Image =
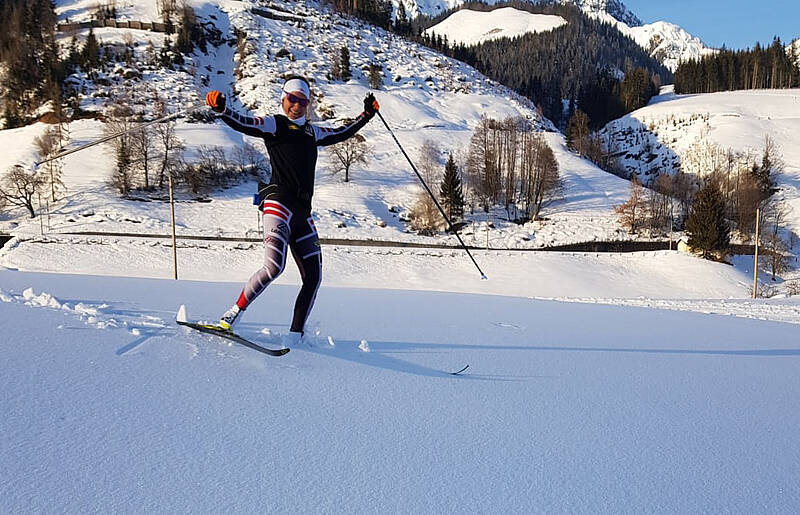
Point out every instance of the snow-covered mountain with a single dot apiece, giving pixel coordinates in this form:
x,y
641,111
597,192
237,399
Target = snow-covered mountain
x,y
666,42
613,8
473,27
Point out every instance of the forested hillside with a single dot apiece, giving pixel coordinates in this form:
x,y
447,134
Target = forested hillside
x,y
770,67
582,61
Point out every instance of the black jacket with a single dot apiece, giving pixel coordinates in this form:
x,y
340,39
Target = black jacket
x,y
292,149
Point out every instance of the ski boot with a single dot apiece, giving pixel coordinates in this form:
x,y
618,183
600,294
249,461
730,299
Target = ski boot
x,y
230,317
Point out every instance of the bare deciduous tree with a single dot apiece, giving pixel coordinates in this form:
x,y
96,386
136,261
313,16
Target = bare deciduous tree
x,y
661,203
632,213
578,132
481,163
509,161
428,161
18,187
49,144
171,147
425,216
347,153
775,217
250,161
143,146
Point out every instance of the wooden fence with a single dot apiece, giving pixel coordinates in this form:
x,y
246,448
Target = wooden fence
x,y
152,26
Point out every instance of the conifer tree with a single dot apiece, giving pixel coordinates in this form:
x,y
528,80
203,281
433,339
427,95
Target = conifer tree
x,y
29,57
121,178
707,228
91,51
401,24
344,64
771,164
451,192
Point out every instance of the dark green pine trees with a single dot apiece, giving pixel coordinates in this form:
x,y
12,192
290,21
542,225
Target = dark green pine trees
x,y
450,192
762,67
706,226
30,59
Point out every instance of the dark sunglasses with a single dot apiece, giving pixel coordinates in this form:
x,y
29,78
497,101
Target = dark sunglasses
x,y
297,100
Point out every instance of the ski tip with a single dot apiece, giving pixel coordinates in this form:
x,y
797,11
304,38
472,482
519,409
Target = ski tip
x,y
181,316
456,373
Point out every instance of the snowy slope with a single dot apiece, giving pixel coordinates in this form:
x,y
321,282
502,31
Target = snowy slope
x,y
697,130
473,27
109,407
424,97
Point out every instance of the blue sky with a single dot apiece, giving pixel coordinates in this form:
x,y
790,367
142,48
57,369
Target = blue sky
x,y
736,23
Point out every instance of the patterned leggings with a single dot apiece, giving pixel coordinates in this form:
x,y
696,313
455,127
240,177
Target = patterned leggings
x,y
296,231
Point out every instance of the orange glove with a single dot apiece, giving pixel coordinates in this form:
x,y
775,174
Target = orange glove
x,y
371,105
216,101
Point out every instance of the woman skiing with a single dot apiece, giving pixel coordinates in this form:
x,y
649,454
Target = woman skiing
x,y
285,202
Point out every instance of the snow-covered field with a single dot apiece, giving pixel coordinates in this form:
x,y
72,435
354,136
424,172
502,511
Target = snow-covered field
x,y
110,407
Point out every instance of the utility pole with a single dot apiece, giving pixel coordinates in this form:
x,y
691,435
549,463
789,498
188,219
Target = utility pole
x,y
755,264
172,215
41,214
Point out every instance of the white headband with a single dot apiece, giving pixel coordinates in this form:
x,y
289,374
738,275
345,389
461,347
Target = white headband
x,y
298,85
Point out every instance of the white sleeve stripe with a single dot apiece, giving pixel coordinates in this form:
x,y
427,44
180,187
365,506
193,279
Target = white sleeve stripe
x,y
263,124
324,132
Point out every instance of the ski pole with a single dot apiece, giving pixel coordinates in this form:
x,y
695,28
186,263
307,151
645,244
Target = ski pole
x,y
433,197
117,135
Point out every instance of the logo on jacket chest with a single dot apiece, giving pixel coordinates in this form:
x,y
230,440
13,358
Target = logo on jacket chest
x,y
307,128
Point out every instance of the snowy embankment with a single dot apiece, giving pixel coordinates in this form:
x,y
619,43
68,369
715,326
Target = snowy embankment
x,y
108,406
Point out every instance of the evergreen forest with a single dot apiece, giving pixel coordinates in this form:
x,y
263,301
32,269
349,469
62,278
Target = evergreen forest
x,y
770,67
